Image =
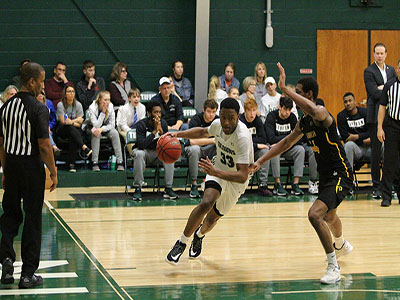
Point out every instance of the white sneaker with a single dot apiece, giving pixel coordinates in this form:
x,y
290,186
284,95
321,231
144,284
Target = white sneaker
x,y
346,249
332,275
313,187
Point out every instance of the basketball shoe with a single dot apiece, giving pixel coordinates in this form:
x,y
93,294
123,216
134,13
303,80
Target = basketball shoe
x,y
175,253
344,250
7,271
195,247
332,275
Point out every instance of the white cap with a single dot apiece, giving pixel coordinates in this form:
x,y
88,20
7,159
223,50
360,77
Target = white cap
x,y
163,80
269,80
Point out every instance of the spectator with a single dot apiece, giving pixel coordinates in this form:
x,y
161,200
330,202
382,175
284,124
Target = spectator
x,y
352,125
234,93
375,76
171,108
256,128
279,124
52,121
173,90
148,131
249,87
130,114
9,92
119,85
308,88
70,118
227,80
294,109
182,84
102,123
215,92
90,85
200,148
260,74
54,86
17,79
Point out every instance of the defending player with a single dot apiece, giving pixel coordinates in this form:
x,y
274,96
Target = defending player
x,y
336,178
226,179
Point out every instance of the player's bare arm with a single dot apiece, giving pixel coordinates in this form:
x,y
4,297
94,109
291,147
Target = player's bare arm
x,y
278,148
193,133
239,176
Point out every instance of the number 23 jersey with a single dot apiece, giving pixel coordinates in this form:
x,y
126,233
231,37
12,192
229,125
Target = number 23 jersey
x,y
232,149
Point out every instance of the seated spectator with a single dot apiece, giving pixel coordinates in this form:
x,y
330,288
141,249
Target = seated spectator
x,y
256,128
227,80
130,114
171,107
234,93
54,86
279,124
102,123
200,148
173,90
70,119
52,120
215,92
148,131
249,87
353,130
183,86
90,85
294,109
9,92
260,74
16,80
119,85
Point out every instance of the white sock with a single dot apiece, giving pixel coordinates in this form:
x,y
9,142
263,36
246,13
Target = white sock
x,y
199,234
339,242
184,239
332,258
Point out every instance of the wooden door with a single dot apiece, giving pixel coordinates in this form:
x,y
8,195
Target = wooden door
x,y
391,38
342,56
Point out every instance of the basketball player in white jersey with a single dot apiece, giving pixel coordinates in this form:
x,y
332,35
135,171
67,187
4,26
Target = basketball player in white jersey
x,y
227,177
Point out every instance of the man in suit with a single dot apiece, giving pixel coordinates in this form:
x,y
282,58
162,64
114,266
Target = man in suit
x,y
375,76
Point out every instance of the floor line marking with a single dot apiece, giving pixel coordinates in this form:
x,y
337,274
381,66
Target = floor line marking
x,y
58,275
16,292
48,204
86,254
334,291
129,296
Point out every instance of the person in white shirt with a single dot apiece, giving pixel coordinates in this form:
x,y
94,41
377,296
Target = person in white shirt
x,y
126,118
102,122
226,179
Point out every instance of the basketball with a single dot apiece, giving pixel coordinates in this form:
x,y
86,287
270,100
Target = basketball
x,y
168,149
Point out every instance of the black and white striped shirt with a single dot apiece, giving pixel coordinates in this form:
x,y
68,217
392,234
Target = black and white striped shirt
x,y
23,120
391,98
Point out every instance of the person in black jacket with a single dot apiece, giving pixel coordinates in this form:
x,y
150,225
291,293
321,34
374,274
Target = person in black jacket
x,y
148,131
256,128
279,124
353,129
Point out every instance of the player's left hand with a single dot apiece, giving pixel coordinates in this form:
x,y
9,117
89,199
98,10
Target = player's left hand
x,y
254,168
206,166
282,77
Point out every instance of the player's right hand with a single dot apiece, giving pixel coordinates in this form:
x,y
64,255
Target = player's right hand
x,y
171,134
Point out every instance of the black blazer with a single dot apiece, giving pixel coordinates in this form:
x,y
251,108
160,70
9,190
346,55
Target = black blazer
x,y
372,79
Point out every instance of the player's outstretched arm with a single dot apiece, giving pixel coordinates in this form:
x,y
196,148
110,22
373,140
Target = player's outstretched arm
x,y
284,145
317,112
193,133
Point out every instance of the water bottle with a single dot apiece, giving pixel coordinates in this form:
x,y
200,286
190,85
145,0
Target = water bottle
x,y
113,163
109,163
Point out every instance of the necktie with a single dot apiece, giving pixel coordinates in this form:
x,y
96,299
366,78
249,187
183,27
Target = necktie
x,y
134,118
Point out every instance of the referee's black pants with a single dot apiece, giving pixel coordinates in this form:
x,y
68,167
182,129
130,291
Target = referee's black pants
x,y
376,156
24,178
391,156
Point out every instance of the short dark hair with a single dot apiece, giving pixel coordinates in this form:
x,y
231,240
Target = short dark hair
x,y
26,60
59,63
380,45
30,70
349,94
151,104
210,103
286,102
309,84
88,64
230,103
320,102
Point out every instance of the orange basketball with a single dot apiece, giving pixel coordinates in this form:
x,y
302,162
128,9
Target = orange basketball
x,y
168,149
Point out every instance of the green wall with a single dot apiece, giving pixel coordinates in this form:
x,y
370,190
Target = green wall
x,y
148,35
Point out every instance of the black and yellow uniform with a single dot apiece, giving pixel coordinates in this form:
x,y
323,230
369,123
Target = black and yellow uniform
x,y
336,175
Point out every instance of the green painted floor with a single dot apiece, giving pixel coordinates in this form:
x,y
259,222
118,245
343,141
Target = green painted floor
x,y
78,275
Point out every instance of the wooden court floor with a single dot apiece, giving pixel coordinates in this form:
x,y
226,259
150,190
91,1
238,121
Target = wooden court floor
x,y
264,248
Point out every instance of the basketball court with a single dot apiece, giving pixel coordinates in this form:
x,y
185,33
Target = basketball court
x,y
264,249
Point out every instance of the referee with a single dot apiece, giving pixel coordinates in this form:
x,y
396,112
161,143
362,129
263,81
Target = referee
x,y
389,132
24,146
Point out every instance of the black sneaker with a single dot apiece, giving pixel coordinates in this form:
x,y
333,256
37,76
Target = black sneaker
x,y
264,191
279,190
377,194
28,282
296,190
87,152
175,253
194,192
137,195
195,247
170,194
7,271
